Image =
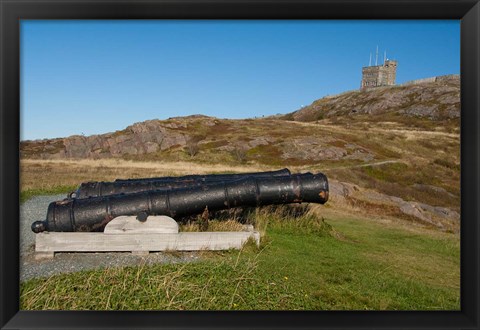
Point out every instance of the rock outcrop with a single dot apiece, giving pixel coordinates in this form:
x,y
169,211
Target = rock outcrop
x,y
439,217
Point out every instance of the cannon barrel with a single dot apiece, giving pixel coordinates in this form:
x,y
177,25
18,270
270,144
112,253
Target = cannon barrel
x,y
101,188
93,214
211,177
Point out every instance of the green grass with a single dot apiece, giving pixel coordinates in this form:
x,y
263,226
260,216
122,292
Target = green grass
x,y
305,262
386,172
447,163
29,193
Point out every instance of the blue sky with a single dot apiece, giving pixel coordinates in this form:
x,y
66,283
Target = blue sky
x,y
93,77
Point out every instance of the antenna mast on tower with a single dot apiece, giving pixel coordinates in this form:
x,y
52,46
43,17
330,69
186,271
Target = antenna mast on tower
x,y
370,62
376,57
384,57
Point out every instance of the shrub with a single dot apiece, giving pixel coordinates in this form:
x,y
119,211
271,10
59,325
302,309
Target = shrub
x,y
447,163
192,147
240,154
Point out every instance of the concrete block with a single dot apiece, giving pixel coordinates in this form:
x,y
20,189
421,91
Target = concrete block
x,y
130,225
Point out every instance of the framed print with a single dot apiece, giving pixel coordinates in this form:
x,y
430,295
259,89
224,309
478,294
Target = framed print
x,y
278,164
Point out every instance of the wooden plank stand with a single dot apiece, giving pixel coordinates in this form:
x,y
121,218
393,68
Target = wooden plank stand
x,y
127,234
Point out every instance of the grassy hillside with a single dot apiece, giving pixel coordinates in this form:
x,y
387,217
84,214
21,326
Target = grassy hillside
x,y
415,165
346,254
310,261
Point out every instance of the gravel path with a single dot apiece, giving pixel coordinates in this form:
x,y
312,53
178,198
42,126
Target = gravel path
x,y
36,209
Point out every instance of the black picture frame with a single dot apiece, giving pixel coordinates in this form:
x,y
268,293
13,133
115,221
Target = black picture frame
x,y
12,11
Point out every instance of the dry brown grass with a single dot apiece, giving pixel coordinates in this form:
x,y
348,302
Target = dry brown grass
x,y
48,174
213,225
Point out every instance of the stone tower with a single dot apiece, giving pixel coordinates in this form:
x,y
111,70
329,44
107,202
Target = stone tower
x,y
379,75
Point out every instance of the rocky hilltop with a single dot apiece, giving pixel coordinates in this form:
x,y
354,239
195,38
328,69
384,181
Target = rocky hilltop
x,y
203,138
437,100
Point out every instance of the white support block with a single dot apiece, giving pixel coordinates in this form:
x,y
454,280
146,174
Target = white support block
x,y
130,225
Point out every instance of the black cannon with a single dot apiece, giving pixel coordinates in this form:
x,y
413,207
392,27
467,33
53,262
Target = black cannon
x,y
93,214
94,189
211,177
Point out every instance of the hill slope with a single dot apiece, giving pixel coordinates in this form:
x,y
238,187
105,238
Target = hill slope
x,y
273,142
428,106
